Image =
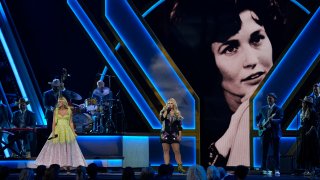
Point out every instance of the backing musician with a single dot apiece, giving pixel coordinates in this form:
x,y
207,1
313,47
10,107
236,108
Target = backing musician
x,y
270,118
23,118
103,95
50,99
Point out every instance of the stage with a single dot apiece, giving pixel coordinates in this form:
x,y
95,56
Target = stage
x,y
111,173
112,153
117,77
119,151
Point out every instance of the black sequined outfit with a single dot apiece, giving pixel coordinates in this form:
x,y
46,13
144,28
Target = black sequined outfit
x,y
171,125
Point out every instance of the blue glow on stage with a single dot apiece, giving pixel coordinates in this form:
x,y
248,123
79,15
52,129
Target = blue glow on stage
x,y
137,138
19,69
285,144
147,12
300,6
12,64
151,58
30,163
155,5
6,152
188,148
117,47
106,162
295,123
174,164
303,53
103,74
98,138
18,164
116,66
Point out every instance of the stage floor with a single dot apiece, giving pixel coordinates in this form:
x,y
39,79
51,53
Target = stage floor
x,y
176,176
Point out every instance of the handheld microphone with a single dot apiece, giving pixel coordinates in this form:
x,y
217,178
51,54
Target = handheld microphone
x,y
55,136
168,110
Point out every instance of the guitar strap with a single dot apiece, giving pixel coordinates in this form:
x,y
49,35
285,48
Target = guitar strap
x,y
270,110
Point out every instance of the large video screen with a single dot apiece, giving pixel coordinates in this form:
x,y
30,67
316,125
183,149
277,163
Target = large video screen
x,y
227,50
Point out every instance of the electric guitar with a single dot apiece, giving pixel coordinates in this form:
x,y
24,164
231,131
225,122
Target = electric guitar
x,y
264,125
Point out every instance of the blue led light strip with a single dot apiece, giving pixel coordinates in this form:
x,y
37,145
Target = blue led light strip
x,y
13,66
103,74
151,59
6,152
114,63
295,123
292,67
18,67
300,6
148,11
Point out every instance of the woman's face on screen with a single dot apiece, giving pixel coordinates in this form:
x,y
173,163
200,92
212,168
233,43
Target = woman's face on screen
x,y
245,58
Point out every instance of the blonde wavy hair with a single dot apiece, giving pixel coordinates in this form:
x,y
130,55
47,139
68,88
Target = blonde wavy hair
x,y
65,103
175,107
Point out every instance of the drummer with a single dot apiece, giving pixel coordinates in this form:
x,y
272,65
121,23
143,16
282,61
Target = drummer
x,y
102,94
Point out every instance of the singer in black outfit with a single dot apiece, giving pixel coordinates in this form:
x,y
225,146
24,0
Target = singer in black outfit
x,y
171,132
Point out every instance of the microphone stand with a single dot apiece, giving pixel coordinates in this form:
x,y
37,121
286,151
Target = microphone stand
x,y
109,78
121,112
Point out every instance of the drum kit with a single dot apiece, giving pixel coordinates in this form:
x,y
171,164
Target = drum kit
x,y
96,114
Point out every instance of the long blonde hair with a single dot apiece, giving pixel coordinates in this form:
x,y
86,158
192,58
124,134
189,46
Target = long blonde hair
x,y
175,107
65,103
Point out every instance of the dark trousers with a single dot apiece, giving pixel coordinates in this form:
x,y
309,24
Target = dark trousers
x,y
23,141
49,118
267,142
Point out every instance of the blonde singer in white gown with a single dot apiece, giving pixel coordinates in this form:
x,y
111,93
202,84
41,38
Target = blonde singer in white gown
x,y
62,148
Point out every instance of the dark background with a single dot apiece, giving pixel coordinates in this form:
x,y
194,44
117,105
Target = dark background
x,y
53,39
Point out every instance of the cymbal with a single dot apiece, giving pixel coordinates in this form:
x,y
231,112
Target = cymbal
x,y
71,95
101,92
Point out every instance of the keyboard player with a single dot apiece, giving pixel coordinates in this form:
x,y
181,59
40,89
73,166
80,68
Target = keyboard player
x,y
23,118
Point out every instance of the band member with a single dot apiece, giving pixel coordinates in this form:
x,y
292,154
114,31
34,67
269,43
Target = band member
x,y
62,147
316,97
308,157
315,93
269,122
23,118
103,96
102,93
50,99
171,132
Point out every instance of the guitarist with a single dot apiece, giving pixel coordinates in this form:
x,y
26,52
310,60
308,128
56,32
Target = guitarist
x,y
272,133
